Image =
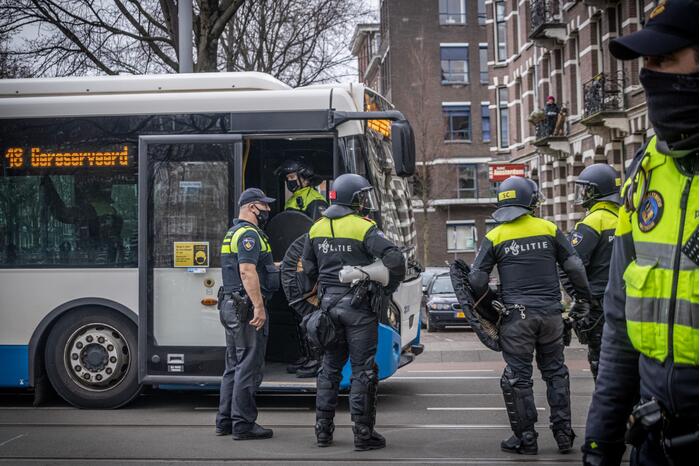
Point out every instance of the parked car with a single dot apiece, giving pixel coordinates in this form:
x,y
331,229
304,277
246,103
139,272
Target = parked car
x,y
429,273
441,307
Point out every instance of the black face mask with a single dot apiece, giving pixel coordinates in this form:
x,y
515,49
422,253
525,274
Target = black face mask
x,y
292,185
262,216
672,100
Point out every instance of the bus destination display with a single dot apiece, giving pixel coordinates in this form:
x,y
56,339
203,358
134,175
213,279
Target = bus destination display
x,y
36,157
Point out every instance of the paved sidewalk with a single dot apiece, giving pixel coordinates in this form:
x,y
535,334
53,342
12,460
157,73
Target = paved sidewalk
x,y
460,345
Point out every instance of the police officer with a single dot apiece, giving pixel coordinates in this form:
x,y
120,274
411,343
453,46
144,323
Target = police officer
x,y
343,237
597,190
527,250
648,374
299,178
249,278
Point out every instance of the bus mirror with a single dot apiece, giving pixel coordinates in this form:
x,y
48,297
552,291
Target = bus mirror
x,y
403,148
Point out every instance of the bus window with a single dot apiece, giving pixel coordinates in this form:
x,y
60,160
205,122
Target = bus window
x,y
68,219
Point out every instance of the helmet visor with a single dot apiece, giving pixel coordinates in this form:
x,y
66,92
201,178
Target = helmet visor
x,y
583,192
539,199
366,200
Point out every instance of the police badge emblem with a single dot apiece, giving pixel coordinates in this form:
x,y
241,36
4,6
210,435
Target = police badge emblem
x,y
650,211
576,238
248,243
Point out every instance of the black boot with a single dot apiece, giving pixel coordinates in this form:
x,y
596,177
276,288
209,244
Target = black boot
x,y
366,438
324,432
310,369
565,439
292,368
526,444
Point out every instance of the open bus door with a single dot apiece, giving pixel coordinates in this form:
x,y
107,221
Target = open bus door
x,y
188,192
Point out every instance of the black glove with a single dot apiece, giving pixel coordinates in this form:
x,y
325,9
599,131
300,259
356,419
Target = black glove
x,y
579,310
391,287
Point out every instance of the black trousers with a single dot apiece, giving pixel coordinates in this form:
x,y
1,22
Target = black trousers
x,y
541,332
358,327
243,373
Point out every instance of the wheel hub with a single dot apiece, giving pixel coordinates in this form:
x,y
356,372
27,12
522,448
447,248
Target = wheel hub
x,y
97,357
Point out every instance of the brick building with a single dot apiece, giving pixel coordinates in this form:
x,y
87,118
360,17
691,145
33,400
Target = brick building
x,y
539,48
430,58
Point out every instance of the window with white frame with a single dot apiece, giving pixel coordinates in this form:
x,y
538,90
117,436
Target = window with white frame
x,y
503,117
457,119
461,236
481,11
485,123
454,63
467,187
484,63
501,35
453,11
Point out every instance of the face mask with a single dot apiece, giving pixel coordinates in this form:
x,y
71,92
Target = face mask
x,y
262,216
292,185
672,100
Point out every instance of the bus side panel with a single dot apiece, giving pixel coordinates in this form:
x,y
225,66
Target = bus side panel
x,y
14,361
387,358
408,298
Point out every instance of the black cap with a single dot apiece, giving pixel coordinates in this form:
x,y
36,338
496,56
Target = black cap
x,y
672,25
254,195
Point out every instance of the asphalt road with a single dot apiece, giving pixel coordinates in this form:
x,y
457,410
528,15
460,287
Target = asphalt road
x,y
446,407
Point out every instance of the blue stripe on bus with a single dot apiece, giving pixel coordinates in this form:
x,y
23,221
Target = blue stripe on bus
x,y
388,355
14,365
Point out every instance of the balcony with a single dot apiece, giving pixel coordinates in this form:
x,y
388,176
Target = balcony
x,y
552,138
546,27
604,103
601,4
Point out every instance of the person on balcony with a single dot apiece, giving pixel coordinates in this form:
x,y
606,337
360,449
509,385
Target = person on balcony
x,y
551,113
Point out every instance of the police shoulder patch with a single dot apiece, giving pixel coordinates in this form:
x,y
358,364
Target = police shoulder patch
x,y
651,211
575,238
248,243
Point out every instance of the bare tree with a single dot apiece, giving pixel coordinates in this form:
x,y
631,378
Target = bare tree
x,y
429,141
10,67
291,39
299,41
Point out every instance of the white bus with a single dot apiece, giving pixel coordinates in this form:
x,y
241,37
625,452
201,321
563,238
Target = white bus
x,y
115,194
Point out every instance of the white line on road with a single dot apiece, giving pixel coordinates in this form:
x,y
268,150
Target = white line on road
x,y
260,408
12,439
472,409
40,408
449,370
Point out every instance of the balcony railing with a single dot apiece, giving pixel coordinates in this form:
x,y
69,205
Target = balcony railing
x,y
604,94
543,13
548,129
546,26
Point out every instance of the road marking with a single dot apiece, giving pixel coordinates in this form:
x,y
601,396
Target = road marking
x,y
452,377
264,408
585,370
42,408
12,440
471,409
449,371
473,394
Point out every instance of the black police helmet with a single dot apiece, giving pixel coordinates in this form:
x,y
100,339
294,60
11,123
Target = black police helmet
x,y
295,166
517,196
596,183
351,193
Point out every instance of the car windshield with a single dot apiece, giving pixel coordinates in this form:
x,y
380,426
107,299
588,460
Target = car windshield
x,y
425,278
442,285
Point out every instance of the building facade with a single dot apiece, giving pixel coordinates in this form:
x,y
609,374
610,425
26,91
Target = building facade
x,y
430,59
559,48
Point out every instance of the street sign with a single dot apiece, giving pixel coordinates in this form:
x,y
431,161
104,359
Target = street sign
x,y
501,171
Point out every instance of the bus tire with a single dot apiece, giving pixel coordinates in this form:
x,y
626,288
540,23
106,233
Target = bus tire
x,y
91,359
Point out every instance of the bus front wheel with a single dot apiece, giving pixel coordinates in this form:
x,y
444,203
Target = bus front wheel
x,y
91,359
